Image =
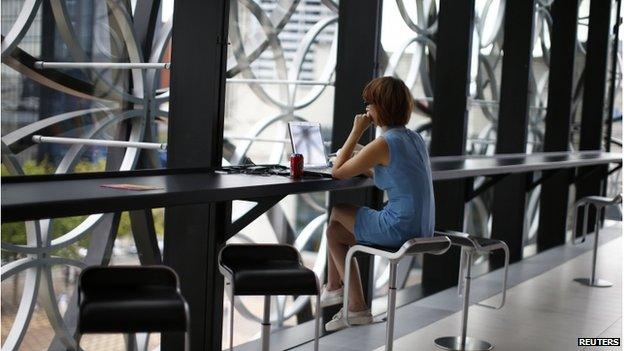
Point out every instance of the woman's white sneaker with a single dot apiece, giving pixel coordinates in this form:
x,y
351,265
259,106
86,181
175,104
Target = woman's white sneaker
x,y
355,318
330,298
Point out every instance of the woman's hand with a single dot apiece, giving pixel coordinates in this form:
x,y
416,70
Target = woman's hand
x,y
361,122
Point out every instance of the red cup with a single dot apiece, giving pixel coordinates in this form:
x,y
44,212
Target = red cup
x,y
296,166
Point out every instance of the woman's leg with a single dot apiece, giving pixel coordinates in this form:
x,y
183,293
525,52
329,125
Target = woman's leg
x,y
339,238
339,214
334,282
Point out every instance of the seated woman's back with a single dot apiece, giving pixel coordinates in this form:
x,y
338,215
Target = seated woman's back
x,y
407,180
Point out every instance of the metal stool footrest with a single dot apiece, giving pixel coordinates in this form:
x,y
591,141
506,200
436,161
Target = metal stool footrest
x,y
471,245
599,203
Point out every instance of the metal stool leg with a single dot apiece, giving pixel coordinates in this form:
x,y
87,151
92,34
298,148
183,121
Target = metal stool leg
x,y
391,306
231,316
464,343
187,329
317,322
131,341
592,280
266,324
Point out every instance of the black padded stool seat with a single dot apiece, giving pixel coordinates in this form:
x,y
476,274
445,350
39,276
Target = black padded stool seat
x,y
150,309
130,299
267,269
464,239
411,247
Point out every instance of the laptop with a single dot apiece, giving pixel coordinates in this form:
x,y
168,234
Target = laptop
x,y
306,139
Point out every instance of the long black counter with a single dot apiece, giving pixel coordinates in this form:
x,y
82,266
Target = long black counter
x,y
49,196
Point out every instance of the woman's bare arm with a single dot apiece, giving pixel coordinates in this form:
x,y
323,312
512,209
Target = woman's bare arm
x,y
376,152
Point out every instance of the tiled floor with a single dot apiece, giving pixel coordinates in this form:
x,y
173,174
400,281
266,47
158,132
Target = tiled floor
x,y
548,312
545,309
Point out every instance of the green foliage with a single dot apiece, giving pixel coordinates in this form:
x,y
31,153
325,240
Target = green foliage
x,y
15,233
30,167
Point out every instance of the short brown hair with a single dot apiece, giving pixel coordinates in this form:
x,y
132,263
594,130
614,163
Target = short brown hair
x,y
392,98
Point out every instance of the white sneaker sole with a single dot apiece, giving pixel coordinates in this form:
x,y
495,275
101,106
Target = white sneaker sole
x,y
334,300
339,325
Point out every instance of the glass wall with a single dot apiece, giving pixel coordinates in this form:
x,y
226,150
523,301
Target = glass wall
x,y
483,104
613,139
538,102
408,47
42,259
281,63
540,65
408,35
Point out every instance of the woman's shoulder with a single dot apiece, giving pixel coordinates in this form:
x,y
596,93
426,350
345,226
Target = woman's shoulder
x,y
416,137
379,144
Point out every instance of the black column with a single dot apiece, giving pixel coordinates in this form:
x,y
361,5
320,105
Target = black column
x,y
146,18
359,25
193,234
452,73
613,76
508,209
554,193
594,91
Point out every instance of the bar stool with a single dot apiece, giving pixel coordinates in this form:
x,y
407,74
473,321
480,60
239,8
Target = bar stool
x,y
599,202
471,245
267,269
131,299
412,247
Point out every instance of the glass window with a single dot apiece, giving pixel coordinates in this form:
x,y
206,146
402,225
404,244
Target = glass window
x,y
408,52
78,102
613,142
281,62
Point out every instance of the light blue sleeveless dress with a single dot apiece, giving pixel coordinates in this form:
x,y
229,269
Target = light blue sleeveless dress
x,y
410,211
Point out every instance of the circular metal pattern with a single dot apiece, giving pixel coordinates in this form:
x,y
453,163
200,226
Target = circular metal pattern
x,y
114,104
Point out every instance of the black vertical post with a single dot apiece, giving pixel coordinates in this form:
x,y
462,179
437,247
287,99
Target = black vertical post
x,y
594,91
614,62
193,234
450,97
554,193
359,26
508,209
146,18
146,14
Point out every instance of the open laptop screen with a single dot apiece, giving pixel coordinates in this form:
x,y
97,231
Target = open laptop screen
x,y
307,140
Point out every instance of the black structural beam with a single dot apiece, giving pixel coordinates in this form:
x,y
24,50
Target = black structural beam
x,y
194,234
489,183
554,192
614,63
359,28
508,209
594,92
146,19
450,97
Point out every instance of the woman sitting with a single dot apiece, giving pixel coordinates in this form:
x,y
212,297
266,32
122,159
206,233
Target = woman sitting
x,y
401,167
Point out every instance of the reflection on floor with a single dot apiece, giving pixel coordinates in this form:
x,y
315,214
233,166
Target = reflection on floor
x,y
545,309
